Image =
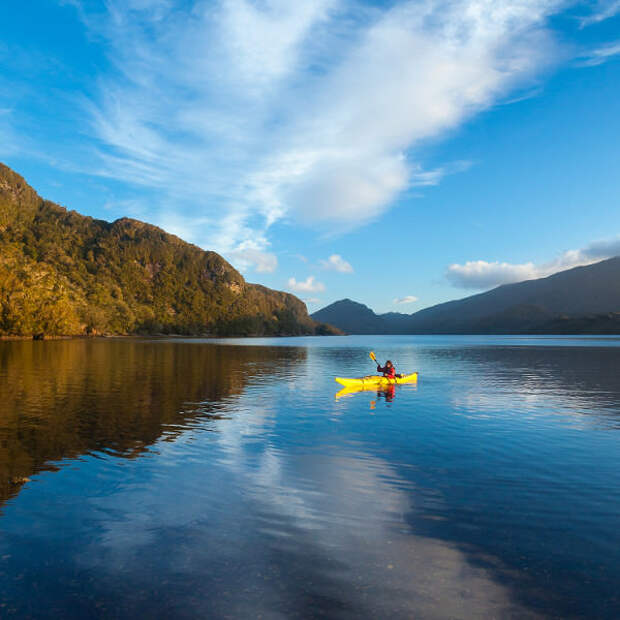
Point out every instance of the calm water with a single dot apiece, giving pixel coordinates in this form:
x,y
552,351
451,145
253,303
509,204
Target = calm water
x,y
192,479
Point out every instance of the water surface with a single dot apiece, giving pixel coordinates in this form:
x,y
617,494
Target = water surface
x,y
189,478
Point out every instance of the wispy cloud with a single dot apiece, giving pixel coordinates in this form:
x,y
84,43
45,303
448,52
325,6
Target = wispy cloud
x,y
8,139
238,114
603,9
600,55
408,299
309,285
480,274
336,263
248,257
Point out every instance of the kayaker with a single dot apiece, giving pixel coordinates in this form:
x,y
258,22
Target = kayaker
x,y
388,370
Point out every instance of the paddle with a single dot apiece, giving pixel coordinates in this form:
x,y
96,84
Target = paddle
x,y
374,359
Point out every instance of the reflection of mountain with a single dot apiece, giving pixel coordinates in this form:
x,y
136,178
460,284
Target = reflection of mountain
x,y
580,300
68,398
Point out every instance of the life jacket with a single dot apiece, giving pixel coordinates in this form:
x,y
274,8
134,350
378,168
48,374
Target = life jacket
x,y
389,372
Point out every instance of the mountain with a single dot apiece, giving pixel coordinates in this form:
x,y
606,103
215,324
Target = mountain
x,y
62,273
528,306
580,300
355,318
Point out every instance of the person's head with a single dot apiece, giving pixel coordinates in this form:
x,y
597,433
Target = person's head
x,y
389,364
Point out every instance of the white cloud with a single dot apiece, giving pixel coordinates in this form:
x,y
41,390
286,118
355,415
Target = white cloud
x,y
186,227
309,285
419,70
480,274
600,55
408,299
336,263
238,113
605,9
597,250
261,262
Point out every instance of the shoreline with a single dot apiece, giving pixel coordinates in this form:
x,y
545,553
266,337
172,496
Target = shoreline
x,y
153,336
15,338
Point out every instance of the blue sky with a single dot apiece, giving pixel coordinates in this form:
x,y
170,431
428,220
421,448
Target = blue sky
x,y
397,153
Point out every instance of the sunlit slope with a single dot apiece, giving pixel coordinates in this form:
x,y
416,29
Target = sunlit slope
x,y
64,273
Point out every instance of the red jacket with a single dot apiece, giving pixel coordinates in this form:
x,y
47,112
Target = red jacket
x,y
387,372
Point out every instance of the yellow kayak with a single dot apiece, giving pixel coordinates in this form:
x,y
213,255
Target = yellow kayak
x,y
375,381
345,391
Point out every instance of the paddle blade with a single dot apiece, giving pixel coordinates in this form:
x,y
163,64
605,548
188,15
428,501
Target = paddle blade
x,y
372,356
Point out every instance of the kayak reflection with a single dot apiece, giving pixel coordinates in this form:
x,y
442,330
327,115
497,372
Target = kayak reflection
x,y
386,392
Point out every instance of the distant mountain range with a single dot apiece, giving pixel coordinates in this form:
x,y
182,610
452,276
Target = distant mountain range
x,y
579,300
62,273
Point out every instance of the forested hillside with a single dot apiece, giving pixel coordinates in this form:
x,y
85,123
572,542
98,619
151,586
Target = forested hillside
x,y
62,273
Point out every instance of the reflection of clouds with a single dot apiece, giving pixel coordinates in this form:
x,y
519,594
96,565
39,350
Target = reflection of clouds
x,y
478,400
359,514
298,525
572,381
531,394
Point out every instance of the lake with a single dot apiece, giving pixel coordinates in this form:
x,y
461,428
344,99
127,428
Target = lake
x,y
172,478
